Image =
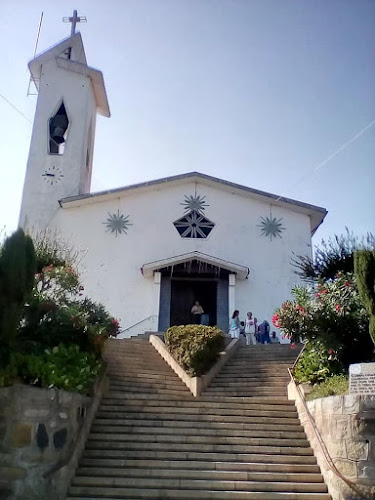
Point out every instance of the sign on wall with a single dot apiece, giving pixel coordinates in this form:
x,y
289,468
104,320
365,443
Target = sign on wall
x,y
362,378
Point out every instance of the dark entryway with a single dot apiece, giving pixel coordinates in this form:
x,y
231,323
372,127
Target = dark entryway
x,y
184,292
184,283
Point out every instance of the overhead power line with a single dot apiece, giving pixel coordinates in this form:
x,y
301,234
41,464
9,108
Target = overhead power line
x,y
15,108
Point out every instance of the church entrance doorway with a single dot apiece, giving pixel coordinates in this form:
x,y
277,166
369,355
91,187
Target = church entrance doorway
x,y
184,292
182,284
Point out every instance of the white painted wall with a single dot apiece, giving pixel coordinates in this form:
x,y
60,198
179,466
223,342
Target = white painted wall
x,y
40,199
111,268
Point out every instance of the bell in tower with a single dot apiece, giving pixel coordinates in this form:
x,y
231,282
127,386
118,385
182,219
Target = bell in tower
x,y
58,126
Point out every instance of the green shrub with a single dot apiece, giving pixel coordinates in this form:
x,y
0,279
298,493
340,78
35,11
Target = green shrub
x,y
63,367
317,363
195,347
333,386
364,265
17,269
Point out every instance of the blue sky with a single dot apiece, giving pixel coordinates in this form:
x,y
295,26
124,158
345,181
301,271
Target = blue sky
x,y
258,92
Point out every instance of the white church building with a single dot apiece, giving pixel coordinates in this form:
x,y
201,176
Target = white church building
x,y
152,249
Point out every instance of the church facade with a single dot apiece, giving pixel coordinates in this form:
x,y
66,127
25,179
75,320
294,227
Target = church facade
x,y
152,249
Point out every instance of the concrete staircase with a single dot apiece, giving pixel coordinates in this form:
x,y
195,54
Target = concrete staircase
x,y
241,440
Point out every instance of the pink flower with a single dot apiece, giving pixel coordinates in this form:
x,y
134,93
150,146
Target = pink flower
x,y
337,307
292,345
276,320
331,351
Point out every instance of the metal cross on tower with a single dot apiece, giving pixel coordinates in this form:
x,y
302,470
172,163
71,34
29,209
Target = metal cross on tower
x,y
74,20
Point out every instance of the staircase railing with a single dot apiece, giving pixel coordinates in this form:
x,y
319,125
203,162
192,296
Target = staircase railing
x,y
327,457
138,323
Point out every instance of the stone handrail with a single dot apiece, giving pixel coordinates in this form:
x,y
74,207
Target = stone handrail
x,y
196,385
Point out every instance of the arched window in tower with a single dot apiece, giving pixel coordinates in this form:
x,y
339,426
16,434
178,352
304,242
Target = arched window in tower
x,y
58,128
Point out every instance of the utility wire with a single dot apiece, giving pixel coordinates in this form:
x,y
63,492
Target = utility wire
x,y
15,108
335,153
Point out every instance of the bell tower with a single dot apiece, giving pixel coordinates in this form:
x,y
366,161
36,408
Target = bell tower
x,y
70,94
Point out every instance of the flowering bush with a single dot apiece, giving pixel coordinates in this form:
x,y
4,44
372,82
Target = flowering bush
x,y
57,314
331,317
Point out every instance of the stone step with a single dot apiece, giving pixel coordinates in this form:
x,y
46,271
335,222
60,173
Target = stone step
x,y
232,433
201,423
144,407
153,393
148,414
261,457
138,493
154,465
248,374
261,379
252,368
154,494
165,377
196,484
121,398
150,383
108,438
202,474
195,447
269,391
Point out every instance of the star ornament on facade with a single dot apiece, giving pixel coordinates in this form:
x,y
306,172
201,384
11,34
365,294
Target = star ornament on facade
x,y
195,202
272,227
194,225
117,223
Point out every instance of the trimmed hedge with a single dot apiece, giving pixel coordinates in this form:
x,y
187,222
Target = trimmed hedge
x,y
195,347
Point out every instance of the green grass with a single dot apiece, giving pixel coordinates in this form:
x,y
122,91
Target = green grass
x,y
333,386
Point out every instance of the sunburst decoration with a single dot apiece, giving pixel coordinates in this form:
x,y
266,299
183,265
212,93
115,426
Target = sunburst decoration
x,y
195,202
117,223
272,227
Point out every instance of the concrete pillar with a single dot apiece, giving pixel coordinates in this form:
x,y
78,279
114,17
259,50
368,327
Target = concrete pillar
x,y
156,298
231,293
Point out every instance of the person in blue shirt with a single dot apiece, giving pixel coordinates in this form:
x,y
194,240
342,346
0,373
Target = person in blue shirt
x,y
235,325
264,330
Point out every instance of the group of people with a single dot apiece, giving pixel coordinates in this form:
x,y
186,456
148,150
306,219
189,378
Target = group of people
x,y
255,333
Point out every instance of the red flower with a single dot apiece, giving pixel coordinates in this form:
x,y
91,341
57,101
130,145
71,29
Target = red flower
x,y
331,351
292,345
337,307
347,283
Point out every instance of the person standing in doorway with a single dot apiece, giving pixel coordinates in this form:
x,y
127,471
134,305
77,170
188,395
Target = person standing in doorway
x,y
264,330
250,329
235,325
197,311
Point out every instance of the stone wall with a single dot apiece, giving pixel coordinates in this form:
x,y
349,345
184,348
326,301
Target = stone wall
x,y
346,425
37,430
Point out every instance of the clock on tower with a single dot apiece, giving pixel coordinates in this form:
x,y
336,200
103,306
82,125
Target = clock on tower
x,y
70,94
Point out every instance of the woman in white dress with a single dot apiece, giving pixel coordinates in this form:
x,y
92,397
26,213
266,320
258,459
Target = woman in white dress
x,y
250,328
